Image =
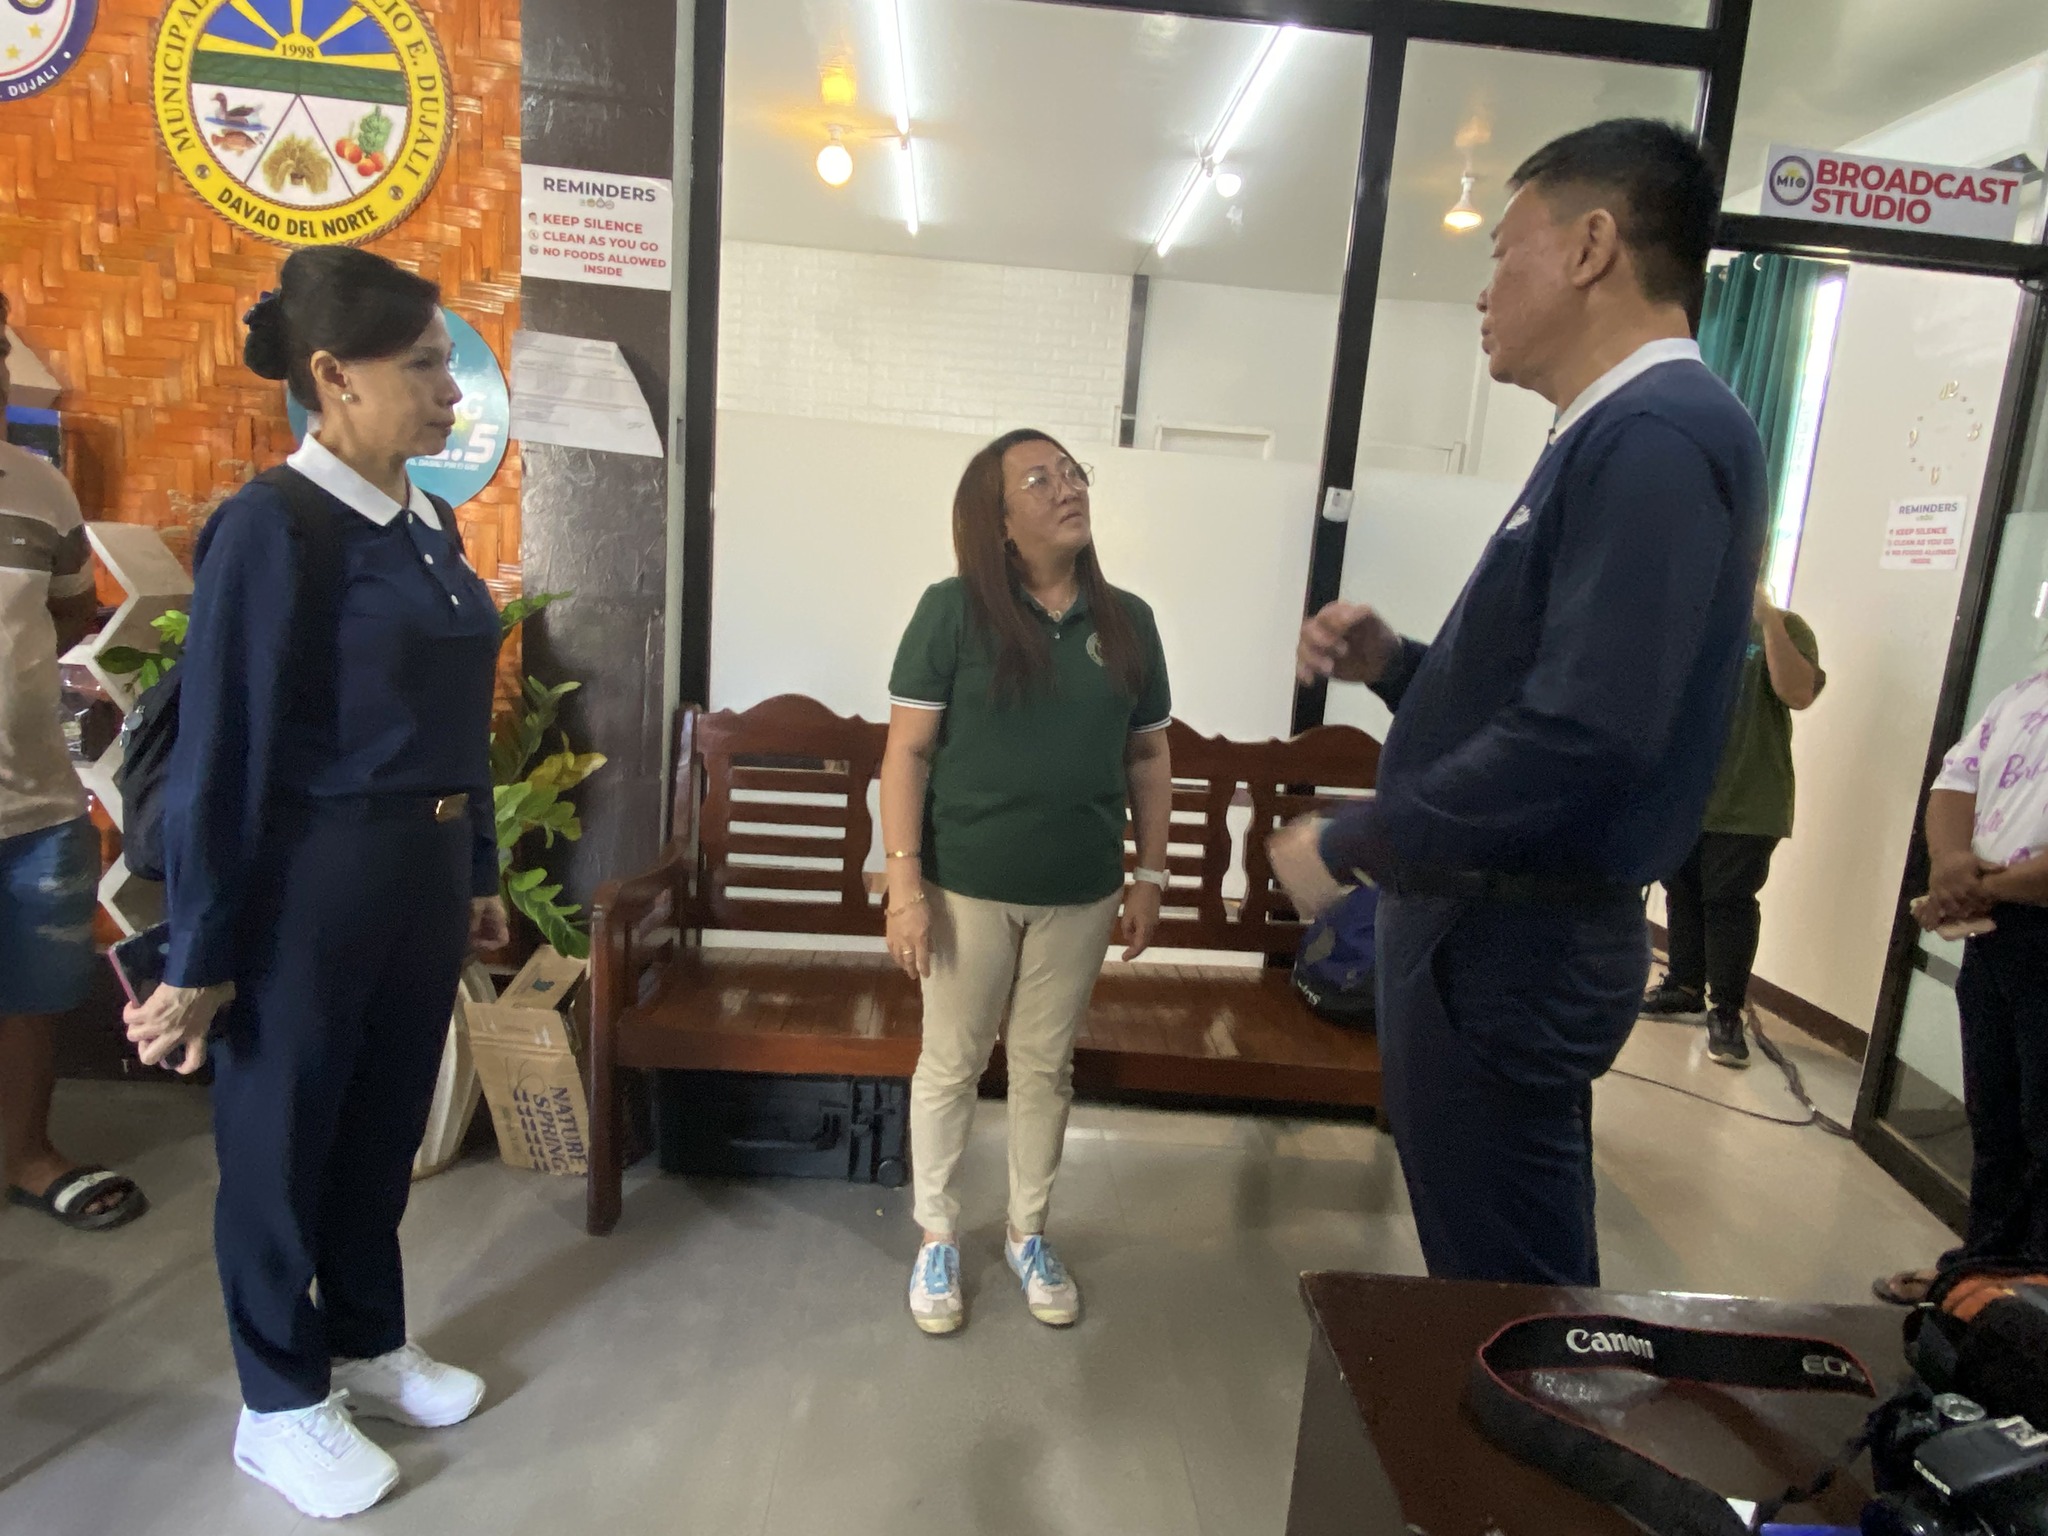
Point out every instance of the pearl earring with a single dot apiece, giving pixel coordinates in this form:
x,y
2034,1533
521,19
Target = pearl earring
x,y
348,399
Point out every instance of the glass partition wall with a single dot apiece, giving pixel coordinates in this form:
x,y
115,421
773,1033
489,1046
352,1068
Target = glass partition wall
x,y
1231,263
1126,229
1442,448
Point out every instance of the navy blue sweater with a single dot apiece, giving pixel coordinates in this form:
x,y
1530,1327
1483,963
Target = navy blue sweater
x,y
403,706
1569,716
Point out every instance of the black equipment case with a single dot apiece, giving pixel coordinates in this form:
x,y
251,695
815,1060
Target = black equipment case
x,y
753,1124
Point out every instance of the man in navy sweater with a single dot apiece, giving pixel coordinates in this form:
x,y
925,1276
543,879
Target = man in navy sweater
x,y
1553,748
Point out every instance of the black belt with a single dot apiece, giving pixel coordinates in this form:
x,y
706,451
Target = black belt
x,y
390,807
1489,885
1539,1432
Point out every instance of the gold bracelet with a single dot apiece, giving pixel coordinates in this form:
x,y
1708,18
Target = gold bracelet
x,y
915,901
908,853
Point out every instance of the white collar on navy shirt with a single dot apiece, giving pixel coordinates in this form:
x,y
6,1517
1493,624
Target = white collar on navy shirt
x,y
1650,354
319,465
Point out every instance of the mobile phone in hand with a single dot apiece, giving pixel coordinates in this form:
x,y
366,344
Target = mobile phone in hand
x,y
139,962
1959,929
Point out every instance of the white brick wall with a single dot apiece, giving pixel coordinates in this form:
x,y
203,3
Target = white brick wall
x,y
958,346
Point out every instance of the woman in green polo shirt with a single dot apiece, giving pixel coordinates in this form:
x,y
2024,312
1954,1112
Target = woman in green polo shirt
x,y
1029,713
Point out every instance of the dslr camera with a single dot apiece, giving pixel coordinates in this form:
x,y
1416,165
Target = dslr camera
x,y
1944,1467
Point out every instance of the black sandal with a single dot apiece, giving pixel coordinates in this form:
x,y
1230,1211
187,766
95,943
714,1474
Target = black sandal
x,y
1908,1288
69,1194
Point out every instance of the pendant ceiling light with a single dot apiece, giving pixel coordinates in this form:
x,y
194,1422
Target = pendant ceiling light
x,y
1462,217
835,163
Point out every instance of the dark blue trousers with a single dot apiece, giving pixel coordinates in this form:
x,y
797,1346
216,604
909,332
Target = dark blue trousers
x,y
322,1086
1494,1019
2003,996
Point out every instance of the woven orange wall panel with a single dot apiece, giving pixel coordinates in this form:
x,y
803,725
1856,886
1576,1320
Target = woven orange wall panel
x,y
132,290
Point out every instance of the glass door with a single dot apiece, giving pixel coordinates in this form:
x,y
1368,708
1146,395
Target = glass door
x,y
1442,447
1914,1095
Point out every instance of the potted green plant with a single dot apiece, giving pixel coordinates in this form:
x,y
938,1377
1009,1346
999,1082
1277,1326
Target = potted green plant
x,y
529,783
149,666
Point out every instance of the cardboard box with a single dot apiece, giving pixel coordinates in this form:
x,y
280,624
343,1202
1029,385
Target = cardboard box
x,y
526,1051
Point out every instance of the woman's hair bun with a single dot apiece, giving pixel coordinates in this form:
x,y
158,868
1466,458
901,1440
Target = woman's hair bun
x,y
267,350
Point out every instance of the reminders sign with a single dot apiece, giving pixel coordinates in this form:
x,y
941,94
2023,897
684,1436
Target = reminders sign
x,y
1925,535
594,227
1889,194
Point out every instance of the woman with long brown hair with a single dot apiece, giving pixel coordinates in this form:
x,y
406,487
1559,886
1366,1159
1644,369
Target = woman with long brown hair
x,y
1028,719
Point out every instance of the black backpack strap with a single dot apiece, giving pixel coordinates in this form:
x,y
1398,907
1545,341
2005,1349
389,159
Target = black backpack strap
x,y
1535,1430
449,525
317,537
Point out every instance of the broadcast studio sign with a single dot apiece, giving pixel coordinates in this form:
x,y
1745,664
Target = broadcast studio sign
x,y
1838,188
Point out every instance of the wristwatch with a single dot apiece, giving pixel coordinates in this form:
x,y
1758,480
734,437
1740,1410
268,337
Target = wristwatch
x,y
1150,877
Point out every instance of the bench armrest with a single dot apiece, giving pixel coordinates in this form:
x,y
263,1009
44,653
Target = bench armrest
x,y
619,927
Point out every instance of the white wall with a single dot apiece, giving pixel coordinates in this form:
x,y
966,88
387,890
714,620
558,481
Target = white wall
x,y
1238,357
900,341
1884,635
1413,542
951,345
828,531
1252,358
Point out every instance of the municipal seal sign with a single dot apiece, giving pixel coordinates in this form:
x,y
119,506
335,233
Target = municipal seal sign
x,y
39,42
308,122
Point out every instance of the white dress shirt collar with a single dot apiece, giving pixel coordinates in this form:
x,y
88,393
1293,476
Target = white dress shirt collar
x,y
319,465
1649,355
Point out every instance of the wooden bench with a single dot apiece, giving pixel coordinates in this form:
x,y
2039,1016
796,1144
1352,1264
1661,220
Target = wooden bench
x,y
773,834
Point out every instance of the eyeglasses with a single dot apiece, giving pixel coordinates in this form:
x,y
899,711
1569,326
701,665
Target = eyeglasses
x,y
1040,482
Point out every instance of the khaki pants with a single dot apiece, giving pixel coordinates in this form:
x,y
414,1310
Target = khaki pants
x,y
1039,963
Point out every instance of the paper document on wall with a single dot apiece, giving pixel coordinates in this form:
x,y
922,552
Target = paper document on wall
x,y
1925,535
578,393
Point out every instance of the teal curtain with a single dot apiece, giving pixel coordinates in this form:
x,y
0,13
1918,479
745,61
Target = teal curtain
x,y
1754,333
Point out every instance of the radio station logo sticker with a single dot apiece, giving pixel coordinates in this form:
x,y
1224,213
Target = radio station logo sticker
x,y
1791,181
39,42
307,122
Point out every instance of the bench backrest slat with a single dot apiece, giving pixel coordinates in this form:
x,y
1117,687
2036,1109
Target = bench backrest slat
x,y
772,804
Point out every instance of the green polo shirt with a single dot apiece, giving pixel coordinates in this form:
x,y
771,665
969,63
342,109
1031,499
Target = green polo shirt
x,y
1753,790
1028,799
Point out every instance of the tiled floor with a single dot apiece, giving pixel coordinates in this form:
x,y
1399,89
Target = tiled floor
x,y
736,1359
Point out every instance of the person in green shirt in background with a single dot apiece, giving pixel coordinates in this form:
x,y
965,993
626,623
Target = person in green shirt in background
x,y
1711,903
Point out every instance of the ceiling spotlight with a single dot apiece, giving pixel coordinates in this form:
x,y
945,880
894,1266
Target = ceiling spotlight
x,y
1461,216
835,163
1228,184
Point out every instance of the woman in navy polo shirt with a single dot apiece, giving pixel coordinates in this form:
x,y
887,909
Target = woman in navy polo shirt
x,y
332,858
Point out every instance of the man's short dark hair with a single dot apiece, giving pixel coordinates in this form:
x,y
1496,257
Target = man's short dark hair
x,y
1666,192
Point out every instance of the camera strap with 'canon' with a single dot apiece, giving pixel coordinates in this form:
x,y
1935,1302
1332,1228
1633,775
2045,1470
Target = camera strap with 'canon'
x,y
1540,1433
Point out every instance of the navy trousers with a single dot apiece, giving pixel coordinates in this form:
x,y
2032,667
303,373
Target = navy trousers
x,y
322,1086
1494,1019
2002,993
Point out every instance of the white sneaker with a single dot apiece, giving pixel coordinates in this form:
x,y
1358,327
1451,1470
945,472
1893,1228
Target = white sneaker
x,y
1049,1291
315,1457
936,1304
410,1387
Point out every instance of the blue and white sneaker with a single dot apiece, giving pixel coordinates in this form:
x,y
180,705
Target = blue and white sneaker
x,y
1049,1291
936,1304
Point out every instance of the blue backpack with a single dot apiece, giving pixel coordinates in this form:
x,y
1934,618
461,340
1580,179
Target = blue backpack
x,y
1333,969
